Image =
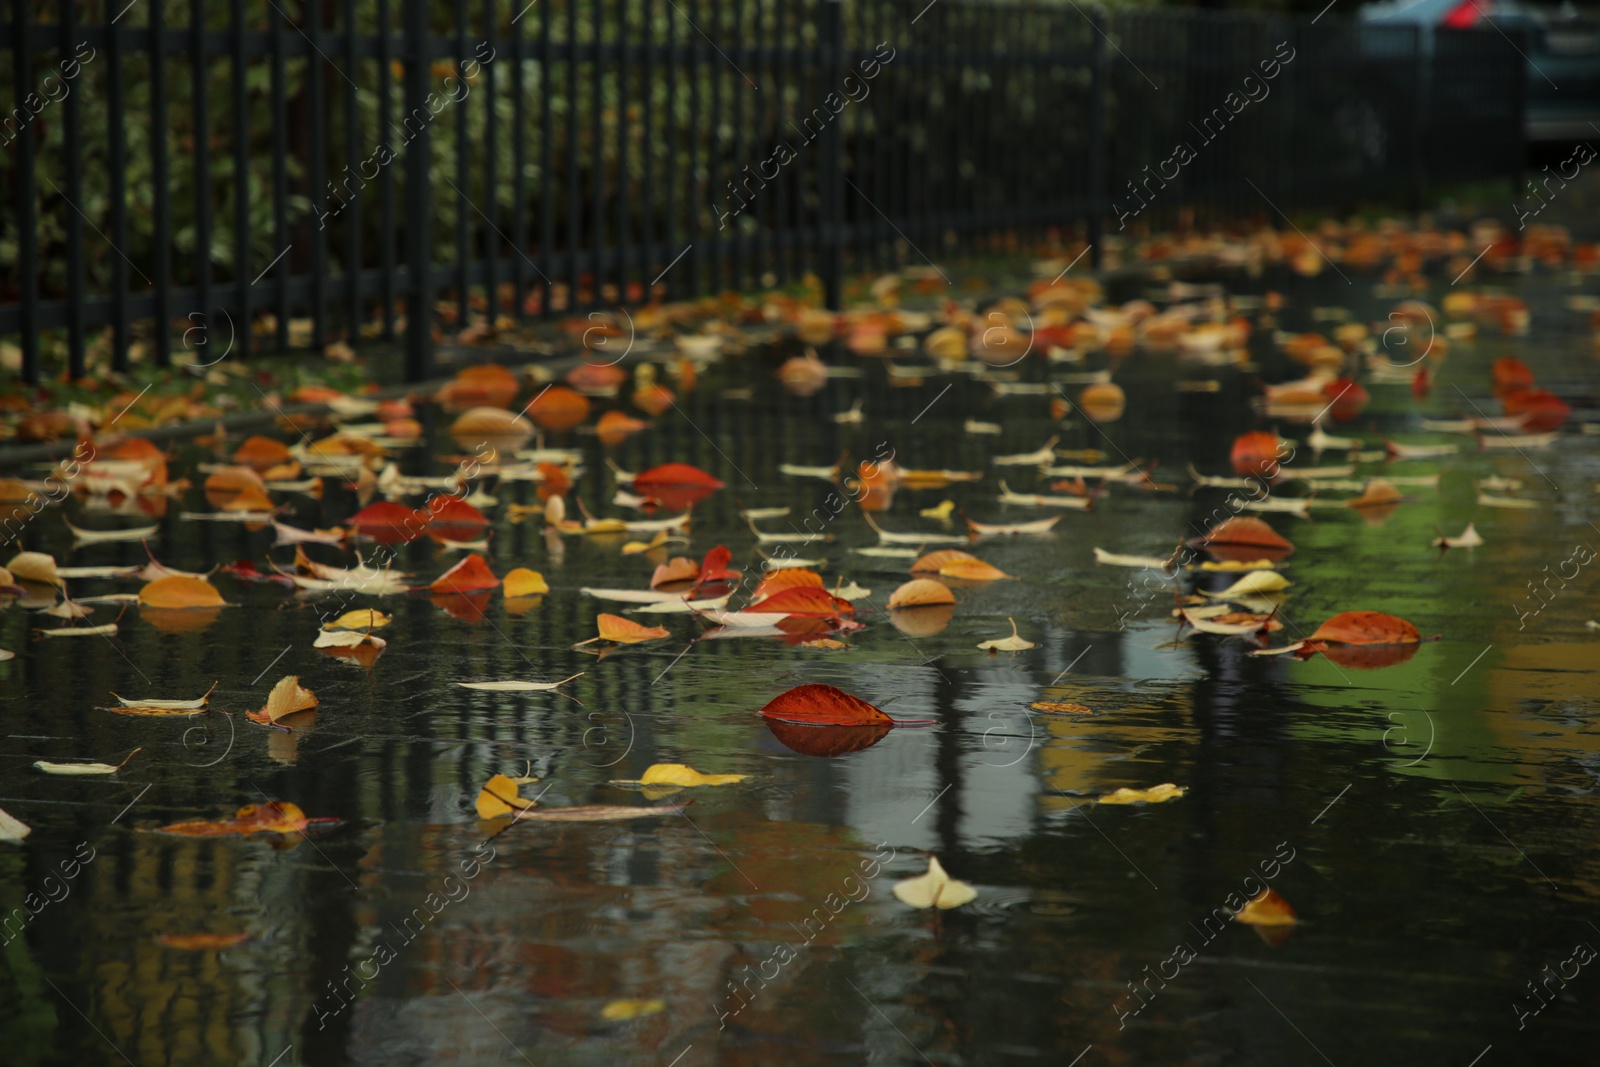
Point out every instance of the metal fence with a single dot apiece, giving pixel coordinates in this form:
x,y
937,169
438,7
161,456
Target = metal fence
x,y
274,174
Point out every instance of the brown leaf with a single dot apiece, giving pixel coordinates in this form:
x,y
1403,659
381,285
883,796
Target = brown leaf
x,y
274,817
1366,628
823,705
920,592
180,592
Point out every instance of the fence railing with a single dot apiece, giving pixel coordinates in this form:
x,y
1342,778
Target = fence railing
x,y
260,175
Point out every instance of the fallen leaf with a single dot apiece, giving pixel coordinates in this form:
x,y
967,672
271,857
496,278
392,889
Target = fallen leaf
x,y
513,686
499,796
1244,532
920,592
84,768
34,567
1154,795
819,704
471,574
12,828
159,705
1469,538
287,698
625,631
1366,628
936,889
678,569
363,619
624,1010
523,582
1377,493
972,570
1266,908
1254,583
274,817
804,601
788,578
387,522
347,639
1008,644
684,775
201,942
1061,707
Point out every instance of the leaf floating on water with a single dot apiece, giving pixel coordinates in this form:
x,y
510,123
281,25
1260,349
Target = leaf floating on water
x,y
684,775
470,575
819,704
524,582
274,817
1366,628
1154,795
34,567
936,889
616,629
201,942
1267,908
168,705
12,828
624,1010
920,592
500,796
347,639
513,686
1117,559
1061,707
1469,538
1254,583
93,537
179,591
1244,532
363,619
287,698
81,631
1013,643
84,768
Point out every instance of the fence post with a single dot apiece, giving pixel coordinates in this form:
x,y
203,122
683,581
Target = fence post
x,y
26,193
830,170
1097,138
419,201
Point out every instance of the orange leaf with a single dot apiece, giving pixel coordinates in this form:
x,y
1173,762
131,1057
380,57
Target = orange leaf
x,y
274,817
261,452
1266,909
467,576
555,480
714,568
201,942
1255,452
919,592
443,508
1245,532
248,499
288,697
972,570
1366,628
677,569
1377,493
807,602
934,561
625,631
823,705
788,578
232,480
559,408
179,592
826,741
614,426
388,522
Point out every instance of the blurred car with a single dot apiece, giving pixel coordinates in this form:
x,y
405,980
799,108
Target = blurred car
x,y
1561,48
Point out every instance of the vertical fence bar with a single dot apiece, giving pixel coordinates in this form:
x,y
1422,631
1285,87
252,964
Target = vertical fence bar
x,y
117,163
519,167
387,224
647,148
419,209
243,335
831,157
463,197
670,127
736,122
202,170
571,200
597,173
27,199
623,125
161,191
353,182
491,152
691,151
73,136
1098,193
547,174
280,179
318,102
714,154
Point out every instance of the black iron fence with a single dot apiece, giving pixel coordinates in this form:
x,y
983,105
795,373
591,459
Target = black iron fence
x,y
257,175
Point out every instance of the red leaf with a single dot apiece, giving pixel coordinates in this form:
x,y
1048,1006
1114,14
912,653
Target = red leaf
x,y
807,602
824,705
388,522
1255,452
714,568
1366,628
444,508
467,576
673,475
1346,398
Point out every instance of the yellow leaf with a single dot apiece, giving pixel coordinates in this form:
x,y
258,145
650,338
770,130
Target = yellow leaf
x,y
180,592
1154,795
523,582
934,889
499,797
1252,584
1267,908
683,774
364,619
626,631
286,698
1008,644
623,1010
